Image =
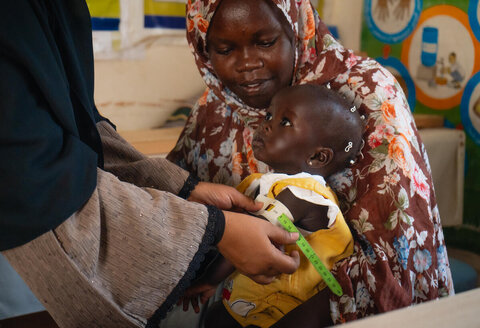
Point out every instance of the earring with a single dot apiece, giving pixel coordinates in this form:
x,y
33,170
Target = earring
x,y
328,86
353,109
310,163
352,162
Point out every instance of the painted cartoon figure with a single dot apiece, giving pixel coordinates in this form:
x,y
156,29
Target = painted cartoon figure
x,y
455,70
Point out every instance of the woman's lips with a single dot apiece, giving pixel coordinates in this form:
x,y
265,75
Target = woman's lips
x,y
253,87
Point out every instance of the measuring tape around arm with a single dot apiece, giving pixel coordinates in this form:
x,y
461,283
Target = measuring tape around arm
x,y
310,254
278,214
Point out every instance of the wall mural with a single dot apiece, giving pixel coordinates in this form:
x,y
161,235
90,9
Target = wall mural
x,y
432,47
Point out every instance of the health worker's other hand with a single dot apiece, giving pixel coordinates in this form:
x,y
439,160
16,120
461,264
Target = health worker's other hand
x,y
223,197
199,291
248,242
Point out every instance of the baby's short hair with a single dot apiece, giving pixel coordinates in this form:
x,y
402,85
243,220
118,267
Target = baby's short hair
x,y
346,142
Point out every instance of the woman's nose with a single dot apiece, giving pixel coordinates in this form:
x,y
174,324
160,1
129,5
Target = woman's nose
x,y
267,127
248,61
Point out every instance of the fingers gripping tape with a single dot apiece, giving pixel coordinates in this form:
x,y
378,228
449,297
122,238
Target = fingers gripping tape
x,y
272,209
279,215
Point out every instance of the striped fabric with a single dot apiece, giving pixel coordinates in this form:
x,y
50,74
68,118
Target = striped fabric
x,y
164,14
105,14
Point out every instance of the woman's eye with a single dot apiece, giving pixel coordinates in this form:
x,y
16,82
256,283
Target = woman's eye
x,y
286,122
268,117
267,43
223,51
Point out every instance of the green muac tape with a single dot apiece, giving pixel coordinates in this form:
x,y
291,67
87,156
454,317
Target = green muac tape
x,y
310,254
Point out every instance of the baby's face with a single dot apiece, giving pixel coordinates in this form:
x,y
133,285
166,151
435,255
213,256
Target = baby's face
x,y
287,137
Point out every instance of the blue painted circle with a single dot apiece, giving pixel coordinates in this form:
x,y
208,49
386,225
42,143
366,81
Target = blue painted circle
x,y
398,65
465,108
473,18
396,37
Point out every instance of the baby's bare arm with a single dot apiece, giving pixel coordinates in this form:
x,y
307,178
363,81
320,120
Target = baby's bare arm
x,y
308,216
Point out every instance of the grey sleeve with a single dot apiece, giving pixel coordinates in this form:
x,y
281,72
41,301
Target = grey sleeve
x,y
130,165
122,260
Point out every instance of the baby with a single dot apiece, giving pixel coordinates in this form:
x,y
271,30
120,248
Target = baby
x,y
309,133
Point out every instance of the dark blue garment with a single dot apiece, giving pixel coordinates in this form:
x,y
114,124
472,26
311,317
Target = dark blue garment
x,y
464,276
49,145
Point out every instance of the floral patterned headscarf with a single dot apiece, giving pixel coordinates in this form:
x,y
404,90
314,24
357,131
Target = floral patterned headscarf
x,y
387,197
313,44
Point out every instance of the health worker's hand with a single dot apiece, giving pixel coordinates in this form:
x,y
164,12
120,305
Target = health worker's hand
x,y
223,197
249,244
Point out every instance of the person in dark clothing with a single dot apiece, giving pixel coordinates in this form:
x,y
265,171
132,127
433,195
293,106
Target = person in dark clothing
x,y
103,235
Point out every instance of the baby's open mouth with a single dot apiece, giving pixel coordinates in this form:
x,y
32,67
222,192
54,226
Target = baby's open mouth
x,y
258,142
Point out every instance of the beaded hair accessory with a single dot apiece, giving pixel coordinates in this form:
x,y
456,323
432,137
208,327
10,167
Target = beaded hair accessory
x,y
349,146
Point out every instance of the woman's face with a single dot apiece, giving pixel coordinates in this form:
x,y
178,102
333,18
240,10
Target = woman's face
x,y
251,48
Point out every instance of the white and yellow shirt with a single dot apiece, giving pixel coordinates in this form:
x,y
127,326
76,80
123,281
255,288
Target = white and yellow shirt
x,y
263,305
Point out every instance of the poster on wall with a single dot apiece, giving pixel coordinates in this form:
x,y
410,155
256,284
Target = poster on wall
x,y
105,14
392,21
432,47
165,14
105,25
474,17
470,108
470,105
443,54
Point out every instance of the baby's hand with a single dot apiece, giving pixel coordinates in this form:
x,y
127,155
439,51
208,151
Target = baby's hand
x,y
200,290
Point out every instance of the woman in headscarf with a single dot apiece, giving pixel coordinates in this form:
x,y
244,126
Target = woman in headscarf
x,y
387,196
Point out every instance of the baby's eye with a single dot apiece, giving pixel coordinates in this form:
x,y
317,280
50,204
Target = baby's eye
x,y
268,117
286,122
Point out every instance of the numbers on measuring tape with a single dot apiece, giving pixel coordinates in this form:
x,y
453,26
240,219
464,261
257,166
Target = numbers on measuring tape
x,y
306,249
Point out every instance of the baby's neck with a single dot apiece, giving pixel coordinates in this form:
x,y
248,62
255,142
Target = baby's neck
x,y
321,172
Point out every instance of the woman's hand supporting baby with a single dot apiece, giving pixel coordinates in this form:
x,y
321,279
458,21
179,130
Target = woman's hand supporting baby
x,y
248,242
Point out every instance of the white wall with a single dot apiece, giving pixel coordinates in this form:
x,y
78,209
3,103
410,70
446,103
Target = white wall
x,y
141,94
347,16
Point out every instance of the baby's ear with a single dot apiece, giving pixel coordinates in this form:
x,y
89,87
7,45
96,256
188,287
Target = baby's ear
x,y
322,157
